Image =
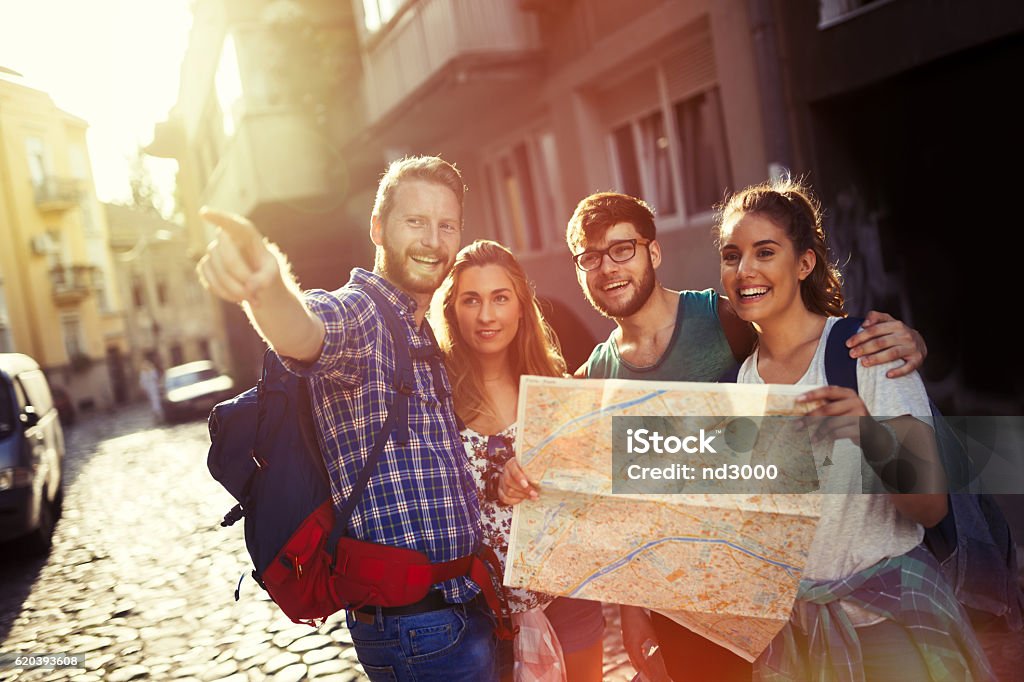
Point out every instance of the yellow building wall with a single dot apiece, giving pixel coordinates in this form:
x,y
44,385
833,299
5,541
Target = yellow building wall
x,y
26,229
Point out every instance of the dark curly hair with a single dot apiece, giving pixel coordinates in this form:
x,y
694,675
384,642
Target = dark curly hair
x,y
598,212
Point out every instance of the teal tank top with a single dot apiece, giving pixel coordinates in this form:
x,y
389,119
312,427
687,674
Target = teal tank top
x,y
698,350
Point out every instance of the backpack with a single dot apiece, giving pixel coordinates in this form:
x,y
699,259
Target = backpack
x,y
972,543
265,451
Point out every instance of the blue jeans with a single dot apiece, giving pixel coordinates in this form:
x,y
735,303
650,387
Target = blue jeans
x,y
456,643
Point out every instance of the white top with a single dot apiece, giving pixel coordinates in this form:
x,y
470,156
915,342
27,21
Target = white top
x,y
858,530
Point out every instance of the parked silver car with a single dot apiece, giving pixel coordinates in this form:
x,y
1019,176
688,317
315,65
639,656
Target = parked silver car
x,y
31,454
191,390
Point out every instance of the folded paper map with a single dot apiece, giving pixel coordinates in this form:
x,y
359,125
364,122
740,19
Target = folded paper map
x,y
724,564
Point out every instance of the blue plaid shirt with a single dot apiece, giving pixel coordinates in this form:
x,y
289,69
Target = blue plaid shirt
x,y
422,495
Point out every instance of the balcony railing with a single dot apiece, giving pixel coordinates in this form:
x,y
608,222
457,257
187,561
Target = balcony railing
x,y
73,283
432,34
58,194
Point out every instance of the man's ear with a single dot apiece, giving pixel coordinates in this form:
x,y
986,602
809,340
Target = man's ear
x,y
655,248
376,231
807,262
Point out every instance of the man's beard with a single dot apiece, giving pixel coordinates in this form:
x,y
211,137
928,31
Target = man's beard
x,y
644,289
393,266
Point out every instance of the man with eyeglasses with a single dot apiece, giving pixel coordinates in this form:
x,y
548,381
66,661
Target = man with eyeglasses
x,y
667,335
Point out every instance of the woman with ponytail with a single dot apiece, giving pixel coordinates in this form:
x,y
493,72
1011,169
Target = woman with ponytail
x,y
872,605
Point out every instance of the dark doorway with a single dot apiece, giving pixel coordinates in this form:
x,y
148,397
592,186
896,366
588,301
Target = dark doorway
x,y
931,155
118,380
177,355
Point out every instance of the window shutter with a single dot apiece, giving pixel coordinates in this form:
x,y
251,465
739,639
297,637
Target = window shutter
x,y
691,68
629,98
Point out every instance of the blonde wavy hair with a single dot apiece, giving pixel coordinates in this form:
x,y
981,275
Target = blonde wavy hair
x,y
534,350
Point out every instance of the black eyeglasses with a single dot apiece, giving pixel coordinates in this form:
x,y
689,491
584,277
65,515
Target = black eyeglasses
x,y
619,251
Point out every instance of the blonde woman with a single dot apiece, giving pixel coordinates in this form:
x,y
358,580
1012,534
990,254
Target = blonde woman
x,y
490,327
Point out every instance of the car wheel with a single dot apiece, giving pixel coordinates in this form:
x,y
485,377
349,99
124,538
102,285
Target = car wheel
x,y
40,540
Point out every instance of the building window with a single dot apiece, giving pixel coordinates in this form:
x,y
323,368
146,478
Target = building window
x,y
97,250
832,12
38,161
675,157
71,327
89,228
641,150
376,13
77,159
704,158
624,150
228,84
161,291
210,141
520,192
138,293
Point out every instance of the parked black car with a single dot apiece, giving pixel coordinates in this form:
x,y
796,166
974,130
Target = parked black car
x,y
31,454
191,390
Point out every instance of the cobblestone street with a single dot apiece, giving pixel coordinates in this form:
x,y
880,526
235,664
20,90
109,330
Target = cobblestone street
x,y
141,576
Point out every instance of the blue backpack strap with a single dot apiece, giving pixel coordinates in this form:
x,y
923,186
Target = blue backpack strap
x,y
840,368
432,354
404,380
397,418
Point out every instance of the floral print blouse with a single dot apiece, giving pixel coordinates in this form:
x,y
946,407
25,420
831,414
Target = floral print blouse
x,y
485,464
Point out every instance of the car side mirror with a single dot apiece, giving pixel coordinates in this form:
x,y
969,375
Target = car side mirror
x,y
29,417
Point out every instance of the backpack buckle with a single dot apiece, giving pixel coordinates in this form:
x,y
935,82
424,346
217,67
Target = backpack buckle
x,y
260,462
406,385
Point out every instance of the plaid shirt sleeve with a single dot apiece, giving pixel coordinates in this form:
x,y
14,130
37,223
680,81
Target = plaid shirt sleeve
x,y
349,323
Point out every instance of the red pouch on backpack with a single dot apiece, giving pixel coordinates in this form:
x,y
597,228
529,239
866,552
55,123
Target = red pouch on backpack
x,y
299,578
381,575
301,581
